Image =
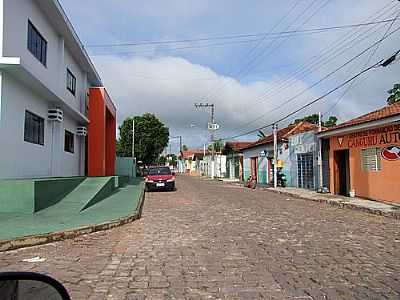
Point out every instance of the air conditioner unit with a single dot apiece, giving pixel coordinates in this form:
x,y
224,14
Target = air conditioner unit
x,y
81,131
55,114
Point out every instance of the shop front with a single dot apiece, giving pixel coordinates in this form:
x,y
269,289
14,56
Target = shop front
x,y
364,159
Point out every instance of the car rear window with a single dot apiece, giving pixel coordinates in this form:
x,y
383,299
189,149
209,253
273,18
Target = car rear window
x,y
160,171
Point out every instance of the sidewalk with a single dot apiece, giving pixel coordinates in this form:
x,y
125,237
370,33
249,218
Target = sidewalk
x,y
373,207
122,204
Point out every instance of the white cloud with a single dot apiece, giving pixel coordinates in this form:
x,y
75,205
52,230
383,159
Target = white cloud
x,y
169,87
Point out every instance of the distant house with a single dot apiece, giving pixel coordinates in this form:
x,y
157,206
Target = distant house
x,y
364,155
191,161
258,157
234,159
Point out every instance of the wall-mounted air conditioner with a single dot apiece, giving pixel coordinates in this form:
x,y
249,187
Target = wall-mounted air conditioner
x,y
81,131
55,114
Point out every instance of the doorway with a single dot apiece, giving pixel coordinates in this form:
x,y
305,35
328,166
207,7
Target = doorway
x,y
305,171
254,169
342,173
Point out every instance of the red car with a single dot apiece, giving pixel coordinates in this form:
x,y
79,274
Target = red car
x,y
160,178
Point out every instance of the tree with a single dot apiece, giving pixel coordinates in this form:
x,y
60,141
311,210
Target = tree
x,y
330,122
314,118
311,119
394,94
151,137
185,148
218,145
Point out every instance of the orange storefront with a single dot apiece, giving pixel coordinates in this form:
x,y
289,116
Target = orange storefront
x,y
364,156
101,134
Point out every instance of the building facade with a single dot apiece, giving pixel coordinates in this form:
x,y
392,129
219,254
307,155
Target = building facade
x,y
297,156
45,76
234,159
364,156
303,156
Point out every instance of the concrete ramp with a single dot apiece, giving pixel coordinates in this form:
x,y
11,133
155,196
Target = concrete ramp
x,y
89,192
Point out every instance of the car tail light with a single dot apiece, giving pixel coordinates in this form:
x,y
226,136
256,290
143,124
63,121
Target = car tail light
x,y
171,180
148,180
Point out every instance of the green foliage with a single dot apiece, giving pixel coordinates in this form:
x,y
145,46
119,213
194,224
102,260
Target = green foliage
x,y
314,118
394,94
151,137
311,119
332,121
185,148
162,160
218,146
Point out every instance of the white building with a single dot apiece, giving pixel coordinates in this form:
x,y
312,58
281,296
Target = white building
x,y
42,66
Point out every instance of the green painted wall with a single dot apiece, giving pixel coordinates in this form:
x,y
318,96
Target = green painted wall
x,y
49,192
125,166
107,189
17,196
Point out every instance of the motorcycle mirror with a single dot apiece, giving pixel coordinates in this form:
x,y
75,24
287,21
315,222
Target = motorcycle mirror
x,y
32,286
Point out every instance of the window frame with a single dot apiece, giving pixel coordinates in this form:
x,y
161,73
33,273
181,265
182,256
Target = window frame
x,y
371,162
39,140
68,147
33,47
72,77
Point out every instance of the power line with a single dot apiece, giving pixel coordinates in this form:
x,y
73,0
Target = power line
x,y
368,61
331,52
245,70
237,36
309,103
318,82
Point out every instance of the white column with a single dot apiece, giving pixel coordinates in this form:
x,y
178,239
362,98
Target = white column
x,y
57,145
275,155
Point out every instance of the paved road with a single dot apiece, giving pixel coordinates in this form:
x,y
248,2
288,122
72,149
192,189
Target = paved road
x,y
214,241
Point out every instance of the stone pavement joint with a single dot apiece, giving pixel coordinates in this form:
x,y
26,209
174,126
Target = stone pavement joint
x,y
217,241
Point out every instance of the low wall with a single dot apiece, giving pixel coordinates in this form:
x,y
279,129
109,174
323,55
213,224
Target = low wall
x,y
29,196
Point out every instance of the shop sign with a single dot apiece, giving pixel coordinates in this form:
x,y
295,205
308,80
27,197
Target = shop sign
x,y
391,153
373,137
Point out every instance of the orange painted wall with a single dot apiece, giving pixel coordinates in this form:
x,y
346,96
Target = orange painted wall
x,y
110,144
101,134
383,185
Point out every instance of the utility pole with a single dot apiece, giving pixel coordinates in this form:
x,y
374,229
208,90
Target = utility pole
x,y
133,138
211,127
320,152
275,130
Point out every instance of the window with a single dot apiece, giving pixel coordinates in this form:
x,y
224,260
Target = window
x,y
371,159
69,142
34,129
37,45
71,82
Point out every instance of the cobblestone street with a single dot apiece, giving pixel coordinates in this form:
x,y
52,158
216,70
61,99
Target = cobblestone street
x,y
210,240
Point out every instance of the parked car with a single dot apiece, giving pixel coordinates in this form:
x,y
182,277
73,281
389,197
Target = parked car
x,y
160,178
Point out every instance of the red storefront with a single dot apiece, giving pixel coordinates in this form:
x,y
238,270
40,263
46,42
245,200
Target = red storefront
x,y
364,155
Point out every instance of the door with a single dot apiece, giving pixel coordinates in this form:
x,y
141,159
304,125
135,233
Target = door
x,y
254,169
342,172
305,171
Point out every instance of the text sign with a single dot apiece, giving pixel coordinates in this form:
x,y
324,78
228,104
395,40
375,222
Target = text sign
x,y
373,137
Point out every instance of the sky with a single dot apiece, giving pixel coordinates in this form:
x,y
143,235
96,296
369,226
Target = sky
x,y
252,80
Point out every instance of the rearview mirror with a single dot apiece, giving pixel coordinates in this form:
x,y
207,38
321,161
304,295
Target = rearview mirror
x,y
30,286
173,173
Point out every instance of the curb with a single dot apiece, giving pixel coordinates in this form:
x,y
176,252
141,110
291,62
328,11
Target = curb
x,y
341,204
41,239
